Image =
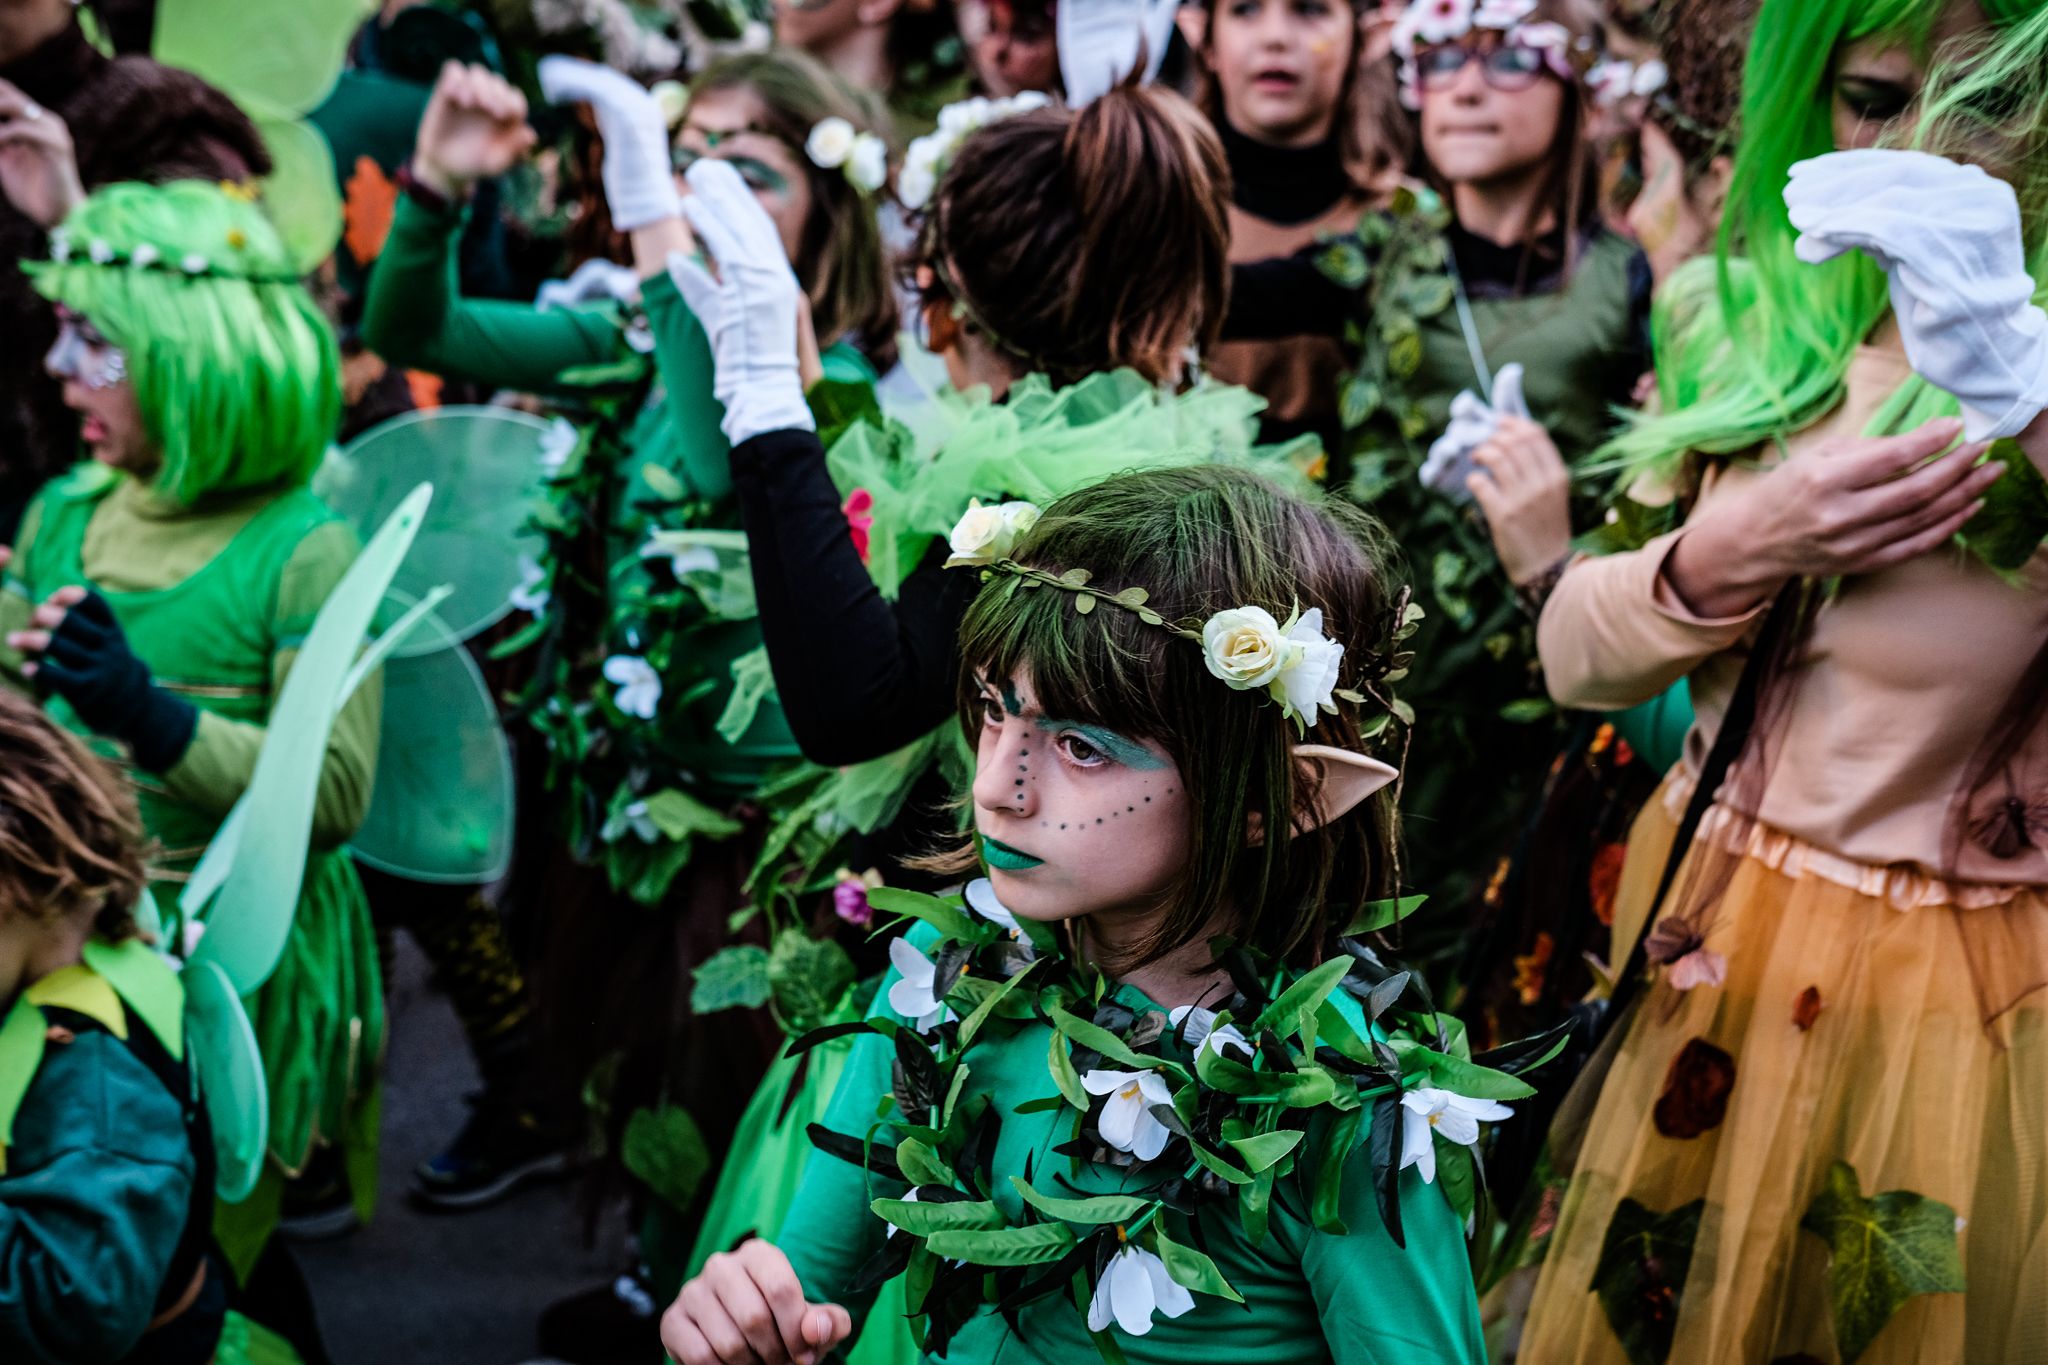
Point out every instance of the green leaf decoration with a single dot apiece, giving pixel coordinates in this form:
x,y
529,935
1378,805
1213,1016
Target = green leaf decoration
x,y
1885,1249
1061,1063
1113,1048
921,1165
2014,518
922,1218
680,815
735,978
1263,1152
1344,262
664,1151
1385,994
1107,1208
1378,915
1076,578
948,919
1457,1175
1191,1269
1217,1166
1326,1211
971,1025
1083,604
837,405
1036,1245
1307,993
1641,1274
662,483
1458,1076
807,977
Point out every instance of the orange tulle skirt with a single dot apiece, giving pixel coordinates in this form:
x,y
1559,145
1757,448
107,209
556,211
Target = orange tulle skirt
x,y
1863,1018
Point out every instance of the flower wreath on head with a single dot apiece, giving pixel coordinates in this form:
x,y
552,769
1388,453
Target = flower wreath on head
x,y
1444,21
835,144
930,156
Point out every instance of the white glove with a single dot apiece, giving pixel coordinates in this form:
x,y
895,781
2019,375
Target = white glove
x,y
1098,42
639,176
750,310
595,280
1473,422
1949,238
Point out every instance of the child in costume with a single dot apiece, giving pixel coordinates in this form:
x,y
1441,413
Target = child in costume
x,y
106,1163
158,593
1141,1032
1820,1129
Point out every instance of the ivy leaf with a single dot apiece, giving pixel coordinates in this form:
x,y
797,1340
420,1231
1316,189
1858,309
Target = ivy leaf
x,y
679,815
1343,262
1107,1208
1643,1261
664,1151
735,978
807,977
1886,1249
1034,1245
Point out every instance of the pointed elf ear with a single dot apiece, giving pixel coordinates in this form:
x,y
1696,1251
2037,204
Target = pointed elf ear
x,y
1343,778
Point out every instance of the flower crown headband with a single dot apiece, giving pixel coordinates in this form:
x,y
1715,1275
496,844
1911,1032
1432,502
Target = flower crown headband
x,y
1444,21
192,265
835,144
1292,663
930,156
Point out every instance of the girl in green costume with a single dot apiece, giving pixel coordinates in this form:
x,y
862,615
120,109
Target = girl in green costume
x,y
157,595
1144,1031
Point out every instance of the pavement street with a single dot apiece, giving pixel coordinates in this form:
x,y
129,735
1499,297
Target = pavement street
x,y
460,1289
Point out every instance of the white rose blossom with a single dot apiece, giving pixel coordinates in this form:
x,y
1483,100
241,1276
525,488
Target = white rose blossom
x,y
1308,683
830,143
1133,1287
639,685
1426,1111
868,167
1244,647
1126,1122
986,533
1295,664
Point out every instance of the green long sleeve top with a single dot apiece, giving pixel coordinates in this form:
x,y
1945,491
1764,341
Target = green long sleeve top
x,y
97,1189
1357,1299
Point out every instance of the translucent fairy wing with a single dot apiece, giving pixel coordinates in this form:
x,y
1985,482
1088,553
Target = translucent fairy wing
x,y
223,1049
487,464
246,886
442,809
277,57
302,195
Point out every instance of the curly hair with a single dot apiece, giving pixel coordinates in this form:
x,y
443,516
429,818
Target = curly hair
x,y
70,838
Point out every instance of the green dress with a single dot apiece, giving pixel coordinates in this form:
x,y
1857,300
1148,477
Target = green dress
x,y
215,601
1311,1297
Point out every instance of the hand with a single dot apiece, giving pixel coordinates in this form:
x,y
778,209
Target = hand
x,y
748,1307
750,310
77,650
1099,43
1850,507
38,168
1448,469
1523,487
474,128
638,173
1949,238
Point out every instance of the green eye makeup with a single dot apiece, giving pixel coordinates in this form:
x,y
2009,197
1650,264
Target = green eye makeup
x,y
1111,745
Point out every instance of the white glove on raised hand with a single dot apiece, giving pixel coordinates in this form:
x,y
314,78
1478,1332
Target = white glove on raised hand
x,y
749,310
1949,238
1098,43
1473,421
639,176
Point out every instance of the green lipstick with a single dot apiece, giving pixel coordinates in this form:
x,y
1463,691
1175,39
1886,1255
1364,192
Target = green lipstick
x,y
1000,855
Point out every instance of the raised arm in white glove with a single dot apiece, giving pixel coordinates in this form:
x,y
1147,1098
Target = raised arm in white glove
x,y
750,309
1949,238
1100,41
639,179
1473,422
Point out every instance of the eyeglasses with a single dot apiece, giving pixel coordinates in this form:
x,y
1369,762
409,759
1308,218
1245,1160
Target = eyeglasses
x,y
1506,67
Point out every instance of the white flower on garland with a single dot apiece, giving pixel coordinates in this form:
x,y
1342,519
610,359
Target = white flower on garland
x,y
912,996
1126,1121
868,166
985,534
673,99
684,554
1427,1111
557,444
1198,1027
530,594
929,156
639,685
835,144
1432,21
1133,1287
981,899
1295,664
830,143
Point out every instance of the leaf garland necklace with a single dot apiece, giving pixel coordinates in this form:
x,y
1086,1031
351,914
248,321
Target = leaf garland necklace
x,y
1221,1129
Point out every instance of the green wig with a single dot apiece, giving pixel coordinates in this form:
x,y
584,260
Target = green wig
x,y
1752,344
1199,540
236,371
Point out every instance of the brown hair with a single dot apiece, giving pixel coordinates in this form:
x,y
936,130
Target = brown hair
x,y
1375,135
70,840
1703,44
1077,241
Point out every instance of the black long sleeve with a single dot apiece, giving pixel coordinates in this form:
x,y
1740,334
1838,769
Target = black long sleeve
x,y
1285,296
859,676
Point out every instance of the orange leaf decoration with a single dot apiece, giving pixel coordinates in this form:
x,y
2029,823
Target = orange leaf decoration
x,y
1603,879
426,389
1695,1097
1807,1009
372,197
1532,967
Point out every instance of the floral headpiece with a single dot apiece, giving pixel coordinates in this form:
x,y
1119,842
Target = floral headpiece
x,y
1291,662
1617,79
1444,21
836,145
192,265
930,155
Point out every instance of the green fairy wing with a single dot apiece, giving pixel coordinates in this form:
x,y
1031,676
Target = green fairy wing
x,y
442,810
487,467
230,1068
21,1053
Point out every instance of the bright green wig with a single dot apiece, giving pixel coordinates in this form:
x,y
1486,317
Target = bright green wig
x,y
235,370
1752,344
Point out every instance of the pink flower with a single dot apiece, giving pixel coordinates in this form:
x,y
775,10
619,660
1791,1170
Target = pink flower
x,y
1700,967
858,509
850,902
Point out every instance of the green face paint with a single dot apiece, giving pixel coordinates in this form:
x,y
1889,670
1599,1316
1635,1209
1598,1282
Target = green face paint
x,y
1001,856
759,175
1010,703
1111,745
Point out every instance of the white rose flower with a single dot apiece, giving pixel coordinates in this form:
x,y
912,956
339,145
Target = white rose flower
x,y
1126,1122
1244,647
962,117
1649,78
1024,101
1307,684
1019,517
830,143
1427,1110
1134,1286
914,186
639,685
868,166
981,536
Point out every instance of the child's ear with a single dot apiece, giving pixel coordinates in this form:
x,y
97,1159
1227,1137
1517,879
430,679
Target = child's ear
x,y
1340,778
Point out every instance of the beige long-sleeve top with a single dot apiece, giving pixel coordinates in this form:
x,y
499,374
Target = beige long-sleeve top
x,y
1904,672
